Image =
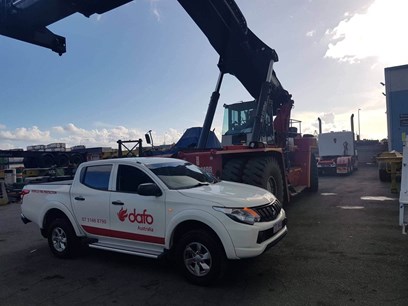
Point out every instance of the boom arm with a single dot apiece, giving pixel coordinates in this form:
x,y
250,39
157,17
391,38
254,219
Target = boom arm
x,y
27,20
242,54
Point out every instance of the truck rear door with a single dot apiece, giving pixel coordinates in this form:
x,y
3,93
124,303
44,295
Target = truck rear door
x,y
90,199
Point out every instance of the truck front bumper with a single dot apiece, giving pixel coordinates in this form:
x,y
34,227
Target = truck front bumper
x,y
260,248
256,239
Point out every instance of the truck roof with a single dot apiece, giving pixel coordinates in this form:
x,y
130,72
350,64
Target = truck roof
x,y
140,160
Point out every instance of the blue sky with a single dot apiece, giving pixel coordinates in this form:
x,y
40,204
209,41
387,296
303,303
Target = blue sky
x,y
146,66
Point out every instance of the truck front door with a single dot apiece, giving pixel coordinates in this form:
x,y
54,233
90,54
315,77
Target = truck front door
x,y
137,220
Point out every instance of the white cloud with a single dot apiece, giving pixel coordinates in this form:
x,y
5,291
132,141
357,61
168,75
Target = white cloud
x,y
379,33
33,133
328,118
311,33
72,135
172,136
58,129
154,9
373,123
7,146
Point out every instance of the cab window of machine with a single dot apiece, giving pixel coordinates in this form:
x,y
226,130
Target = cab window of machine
x,y
233,118
96,177
248,118
129,179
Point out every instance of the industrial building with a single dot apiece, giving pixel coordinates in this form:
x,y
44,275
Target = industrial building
x,y
396,87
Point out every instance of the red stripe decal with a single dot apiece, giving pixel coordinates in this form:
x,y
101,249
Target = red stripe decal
x,y
123,235
44,191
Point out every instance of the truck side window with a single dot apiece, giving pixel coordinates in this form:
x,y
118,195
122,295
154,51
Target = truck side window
x,y
129,179
96,177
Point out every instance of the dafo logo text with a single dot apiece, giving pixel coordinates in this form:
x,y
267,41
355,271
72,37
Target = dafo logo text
x,y
134,217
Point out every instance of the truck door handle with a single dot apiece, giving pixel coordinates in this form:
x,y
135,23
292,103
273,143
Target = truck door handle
x,y
117,203
79,198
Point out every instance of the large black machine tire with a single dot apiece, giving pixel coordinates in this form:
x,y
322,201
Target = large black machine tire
x,y
314,175
76,159
62,239
30,162
233,170
47,160
200,257
266,173
62,160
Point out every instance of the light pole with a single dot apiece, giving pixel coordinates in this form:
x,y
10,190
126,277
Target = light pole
x,y
359,134
164,138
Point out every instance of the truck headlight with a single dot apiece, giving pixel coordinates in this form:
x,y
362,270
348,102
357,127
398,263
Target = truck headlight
x,y
244,215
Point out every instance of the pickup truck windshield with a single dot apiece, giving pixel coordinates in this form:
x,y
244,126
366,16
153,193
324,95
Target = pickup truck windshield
x,y
181,175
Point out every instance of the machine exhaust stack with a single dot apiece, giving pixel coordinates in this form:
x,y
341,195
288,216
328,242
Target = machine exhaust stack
x,y
320,125
352,124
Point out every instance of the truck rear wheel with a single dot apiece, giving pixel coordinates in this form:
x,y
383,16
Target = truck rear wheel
x,y
200,257
233,169
265,173
62,239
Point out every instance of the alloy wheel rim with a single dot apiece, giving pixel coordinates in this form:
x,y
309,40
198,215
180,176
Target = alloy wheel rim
x,y
197,259
59,239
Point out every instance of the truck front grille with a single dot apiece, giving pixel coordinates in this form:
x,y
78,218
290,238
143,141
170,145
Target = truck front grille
x,y
269,212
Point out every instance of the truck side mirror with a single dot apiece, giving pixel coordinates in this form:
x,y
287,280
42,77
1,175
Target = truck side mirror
x,y
149,189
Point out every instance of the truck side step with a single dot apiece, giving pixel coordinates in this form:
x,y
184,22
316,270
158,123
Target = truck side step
x,y
115,248
295,190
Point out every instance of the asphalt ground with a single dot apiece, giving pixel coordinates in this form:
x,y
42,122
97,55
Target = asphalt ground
x,y
344,247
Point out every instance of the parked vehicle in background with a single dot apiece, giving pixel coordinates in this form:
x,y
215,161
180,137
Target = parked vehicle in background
x,y
337,151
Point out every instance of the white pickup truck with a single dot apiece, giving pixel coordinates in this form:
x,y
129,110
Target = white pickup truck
x,y
156,206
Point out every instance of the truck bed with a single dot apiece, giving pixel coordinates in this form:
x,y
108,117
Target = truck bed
x,y
66,182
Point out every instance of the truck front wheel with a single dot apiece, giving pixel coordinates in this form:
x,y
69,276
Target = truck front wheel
x,y
62,239
200,257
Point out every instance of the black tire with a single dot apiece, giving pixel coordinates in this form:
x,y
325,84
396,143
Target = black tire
x,y
233,170
265,173
201,257
62,160
30,162
46,160
76,159
314,175
62,239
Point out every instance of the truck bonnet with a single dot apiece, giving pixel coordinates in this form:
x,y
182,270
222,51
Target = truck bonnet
x,y
230,194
